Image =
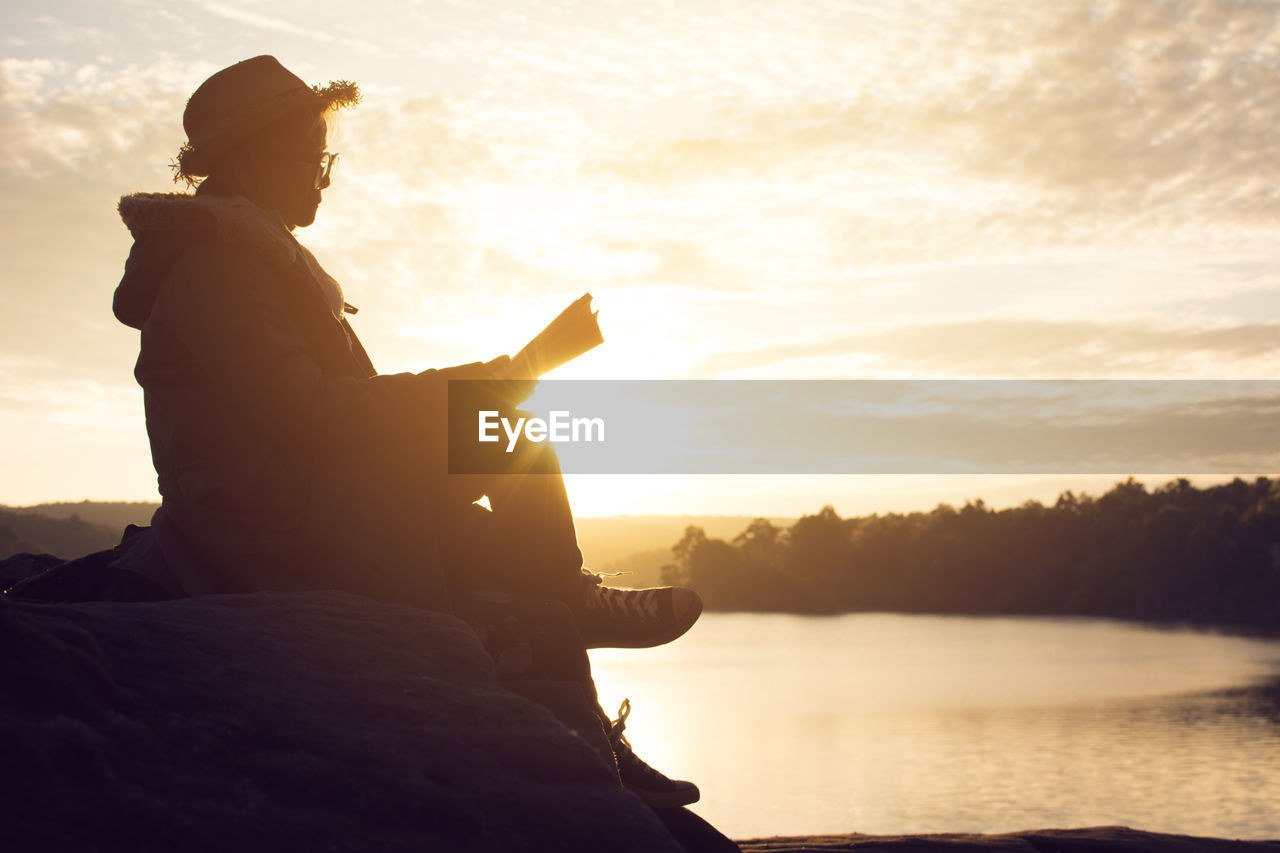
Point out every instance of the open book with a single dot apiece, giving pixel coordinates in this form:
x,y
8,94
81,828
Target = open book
x,y
565,338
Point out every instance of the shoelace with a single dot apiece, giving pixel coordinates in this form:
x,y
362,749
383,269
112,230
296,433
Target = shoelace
x,y
622,747
624,603
618,726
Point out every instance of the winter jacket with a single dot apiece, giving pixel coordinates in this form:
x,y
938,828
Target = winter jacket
x,y
284,460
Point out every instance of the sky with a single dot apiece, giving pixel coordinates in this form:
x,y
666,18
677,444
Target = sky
x,y
806,189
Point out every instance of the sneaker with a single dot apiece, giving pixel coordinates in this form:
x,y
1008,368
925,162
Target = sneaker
x,y
651,786
633,618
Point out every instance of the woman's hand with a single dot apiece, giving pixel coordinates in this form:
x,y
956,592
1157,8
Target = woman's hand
x,y
513,390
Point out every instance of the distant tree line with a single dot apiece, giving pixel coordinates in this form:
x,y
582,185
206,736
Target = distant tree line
x,y
39,534
1177,553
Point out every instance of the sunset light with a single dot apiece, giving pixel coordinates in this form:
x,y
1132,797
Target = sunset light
x,y
748,193
906,373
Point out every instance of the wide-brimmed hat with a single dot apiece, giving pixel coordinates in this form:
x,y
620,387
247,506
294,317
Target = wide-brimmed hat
x,y
238,101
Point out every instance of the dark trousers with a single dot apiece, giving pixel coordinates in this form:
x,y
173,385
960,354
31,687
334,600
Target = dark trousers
x,y
515,568
525,544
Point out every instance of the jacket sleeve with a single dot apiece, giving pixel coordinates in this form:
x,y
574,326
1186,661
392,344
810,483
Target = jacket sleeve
x,y
234,317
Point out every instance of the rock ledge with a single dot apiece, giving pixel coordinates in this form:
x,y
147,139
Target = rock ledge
x,y
1102,839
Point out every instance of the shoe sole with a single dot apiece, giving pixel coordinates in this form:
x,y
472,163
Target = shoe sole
x,y
671,800
679,631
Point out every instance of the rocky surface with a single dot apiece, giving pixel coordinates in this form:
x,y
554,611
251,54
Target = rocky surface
x,y
313,721
327,722
1104,839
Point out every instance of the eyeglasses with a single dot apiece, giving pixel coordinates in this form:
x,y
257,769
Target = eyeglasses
x,y
325,169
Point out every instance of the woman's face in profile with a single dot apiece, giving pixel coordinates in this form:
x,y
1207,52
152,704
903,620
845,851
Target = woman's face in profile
x,y
299,197
280,170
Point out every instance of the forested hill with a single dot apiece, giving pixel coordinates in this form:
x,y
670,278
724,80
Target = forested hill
x,y
67,529
72,536
114,514
1176,553
1172,553
638,544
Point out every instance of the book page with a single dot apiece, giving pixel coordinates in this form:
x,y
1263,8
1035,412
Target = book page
x,y
575,331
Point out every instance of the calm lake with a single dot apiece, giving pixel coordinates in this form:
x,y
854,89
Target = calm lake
x,y
883,723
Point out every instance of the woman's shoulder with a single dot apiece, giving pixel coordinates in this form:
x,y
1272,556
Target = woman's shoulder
x,y
204,225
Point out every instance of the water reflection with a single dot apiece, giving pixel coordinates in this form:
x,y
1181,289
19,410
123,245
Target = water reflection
x,y
884,724
1259,700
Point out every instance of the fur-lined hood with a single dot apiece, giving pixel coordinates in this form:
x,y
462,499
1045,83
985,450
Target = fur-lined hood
x,y
164,225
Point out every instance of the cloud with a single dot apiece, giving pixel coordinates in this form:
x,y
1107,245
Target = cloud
x,y
422,141
1029,348
250,18
78,136
65,34
1014,127
92,120
664,261
1150,110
